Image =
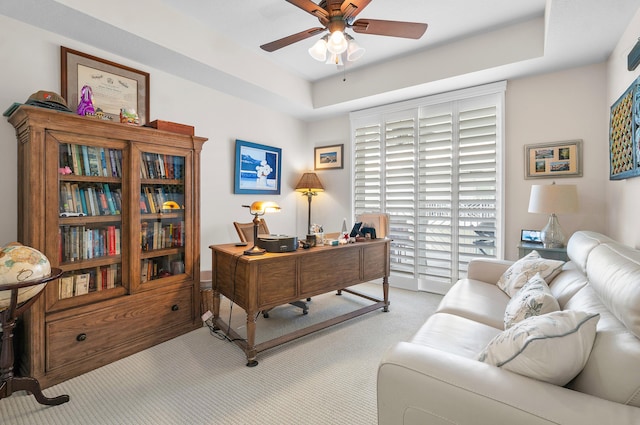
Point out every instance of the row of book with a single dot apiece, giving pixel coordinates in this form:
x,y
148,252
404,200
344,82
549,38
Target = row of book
x,y
158,235
155,199
90,199
90,280
84,243
91,160
161,166
156,268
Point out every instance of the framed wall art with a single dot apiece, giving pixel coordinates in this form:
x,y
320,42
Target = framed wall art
x,y
551,160
114,86
624,134
258,169
328,157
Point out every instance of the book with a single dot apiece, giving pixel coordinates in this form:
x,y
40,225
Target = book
x,y
85,160
109,197
94,161
81,283
66,287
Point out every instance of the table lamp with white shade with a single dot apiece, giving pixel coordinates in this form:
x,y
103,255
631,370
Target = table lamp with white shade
x,y
553,199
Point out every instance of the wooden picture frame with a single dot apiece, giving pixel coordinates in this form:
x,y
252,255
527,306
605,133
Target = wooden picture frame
x,y
258,169
114,86
624,134
328,157
552,160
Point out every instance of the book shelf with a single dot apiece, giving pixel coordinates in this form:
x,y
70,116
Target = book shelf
x,y
116,207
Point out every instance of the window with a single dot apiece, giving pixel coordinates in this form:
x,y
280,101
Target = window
x,y
434,165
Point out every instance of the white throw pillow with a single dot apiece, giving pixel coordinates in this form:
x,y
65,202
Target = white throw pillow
x,y
552,348
533,299
525,268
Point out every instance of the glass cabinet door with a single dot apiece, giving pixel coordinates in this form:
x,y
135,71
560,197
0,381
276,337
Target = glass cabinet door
x,y
162,216
90,211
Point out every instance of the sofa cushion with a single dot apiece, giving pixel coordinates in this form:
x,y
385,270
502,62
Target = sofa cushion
x,y
533,299
479,301
614,273
531,346
612,370
454,335
525,268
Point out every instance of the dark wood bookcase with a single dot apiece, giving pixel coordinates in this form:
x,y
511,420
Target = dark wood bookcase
x,y
117,208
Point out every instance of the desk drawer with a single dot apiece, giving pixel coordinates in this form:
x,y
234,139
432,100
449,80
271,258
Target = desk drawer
x,y
77,338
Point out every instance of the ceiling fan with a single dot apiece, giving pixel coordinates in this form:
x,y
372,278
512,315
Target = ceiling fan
x,y
336,16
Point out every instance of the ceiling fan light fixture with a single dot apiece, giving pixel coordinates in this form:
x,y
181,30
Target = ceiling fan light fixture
x,y
334,59
319,50
337,43
354,51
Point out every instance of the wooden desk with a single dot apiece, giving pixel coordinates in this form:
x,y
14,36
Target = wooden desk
x,y
258,283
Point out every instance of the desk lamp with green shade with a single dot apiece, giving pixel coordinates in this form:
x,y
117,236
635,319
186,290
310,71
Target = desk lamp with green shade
x,y
257,209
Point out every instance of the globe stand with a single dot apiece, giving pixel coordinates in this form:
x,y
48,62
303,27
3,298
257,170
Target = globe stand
x,y
9,383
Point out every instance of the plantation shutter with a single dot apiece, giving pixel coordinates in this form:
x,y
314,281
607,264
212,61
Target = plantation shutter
x,y
435,169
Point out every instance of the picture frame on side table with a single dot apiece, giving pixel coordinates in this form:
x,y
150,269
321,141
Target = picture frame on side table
x,y
552,160
114,86
328,157
258,169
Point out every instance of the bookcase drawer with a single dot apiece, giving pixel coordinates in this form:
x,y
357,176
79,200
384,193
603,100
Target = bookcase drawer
x,y
78,338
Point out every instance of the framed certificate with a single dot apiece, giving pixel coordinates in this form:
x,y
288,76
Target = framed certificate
x,y
114,86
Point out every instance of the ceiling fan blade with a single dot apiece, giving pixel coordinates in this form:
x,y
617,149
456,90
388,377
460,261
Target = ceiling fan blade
x,y
413,30
294,38
350,8
310,7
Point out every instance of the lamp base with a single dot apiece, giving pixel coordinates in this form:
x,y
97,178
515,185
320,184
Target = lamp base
x,y
256,250
551,235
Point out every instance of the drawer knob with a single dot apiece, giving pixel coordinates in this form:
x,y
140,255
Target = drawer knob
x,y
175,307
81,337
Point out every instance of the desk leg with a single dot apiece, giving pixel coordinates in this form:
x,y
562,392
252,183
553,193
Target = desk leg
x,y
251,340
385,292
216,304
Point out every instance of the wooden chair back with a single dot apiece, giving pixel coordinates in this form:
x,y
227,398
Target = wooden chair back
x,y
245,230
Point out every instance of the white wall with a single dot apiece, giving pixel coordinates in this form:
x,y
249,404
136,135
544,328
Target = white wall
x,y
31,62
623,202
553,107
556,107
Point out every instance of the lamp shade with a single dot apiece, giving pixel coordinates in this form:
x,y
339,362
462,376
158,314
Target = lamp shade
x,y
553,199
309,182
261,207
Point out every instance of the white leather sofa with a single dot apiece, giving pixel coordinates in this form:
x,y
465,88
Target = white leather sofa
x,y
436,378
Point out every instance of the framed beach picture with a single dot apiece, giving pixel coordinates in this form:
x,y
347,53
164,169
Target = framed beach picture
x,y
328,157
551,160
258,169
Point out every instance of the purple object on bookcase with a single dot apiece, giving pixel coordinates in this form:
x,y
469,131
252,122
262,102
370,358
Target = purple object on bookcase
x,y
85,105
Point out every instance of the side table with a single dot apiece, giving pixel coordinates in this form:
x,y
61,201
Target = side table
x,y
550,253
8,317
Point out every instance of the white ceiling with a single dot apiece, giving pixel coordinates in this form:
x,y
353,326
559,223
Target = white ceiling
x,y
253,23
216,43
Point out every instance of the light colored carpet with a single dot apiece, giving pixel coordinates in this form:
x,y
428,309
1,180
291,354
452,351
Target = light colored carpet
x,y
324,378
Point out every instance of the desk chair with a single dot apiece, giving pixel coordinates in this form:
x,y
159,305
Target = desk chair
x,y
245,233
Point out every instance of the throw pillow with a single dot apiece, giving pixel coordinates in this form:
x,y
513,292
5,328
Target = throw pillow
x,y
533,299
525,268
553,347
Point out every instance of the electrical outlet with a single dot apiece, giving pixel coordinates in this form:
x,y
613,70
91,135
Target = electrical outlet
x,y
207,315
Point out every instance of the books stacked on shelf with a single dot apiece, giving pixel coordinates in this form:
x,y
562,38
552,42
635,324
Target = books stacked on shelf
x,y
155,268
90,280
91,160
158,235
155,199
89,199
160,166
84,243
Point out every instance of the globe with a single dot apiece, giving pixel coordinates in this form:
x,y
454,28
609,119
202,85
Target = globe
x,y
19,263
